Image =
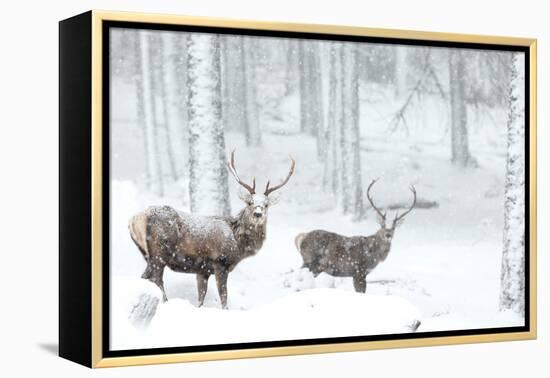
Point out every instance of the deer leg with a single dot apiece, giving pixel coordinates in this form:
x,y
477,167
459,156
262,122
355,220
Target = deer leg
x,y
360,283
154,274
202,286
148,273
221,281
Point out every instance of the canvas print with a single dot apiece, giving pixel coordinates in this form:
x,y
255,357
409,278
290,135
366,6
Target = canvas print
x,y
267,188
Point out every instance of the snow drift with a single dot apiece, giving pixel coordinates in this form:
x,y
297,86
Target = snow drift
x,y
308,314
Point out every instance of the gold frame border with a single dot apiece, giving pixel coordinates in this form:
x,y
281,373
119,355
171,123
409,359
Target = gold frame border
x,y
99,16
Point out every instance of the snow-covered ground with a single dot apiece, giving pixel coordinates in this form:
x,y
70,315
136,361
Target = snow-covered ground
x,y
305,314
443,268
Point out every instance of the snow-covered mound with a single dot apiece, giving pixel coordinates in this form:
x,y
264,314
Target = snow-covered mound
x,y
128,290
333,312
315,313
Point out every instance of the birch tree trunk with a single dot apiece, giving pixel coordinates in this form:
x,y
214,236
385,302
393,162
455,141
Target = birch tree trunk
x,y
209,194
512,294
253,134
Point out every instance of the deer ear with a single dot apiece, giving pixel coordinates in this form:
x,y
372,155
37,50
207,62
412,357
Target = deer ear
x,y
245,197
273,199
399,223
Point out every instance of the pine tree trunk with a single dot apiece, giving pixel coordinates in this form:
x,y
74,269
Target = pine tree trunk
x,y
292,66
175,83
233,84
401,70
353,198
142,115
333,163
253,134
225,80
330,176
149,106
155,131
355,172
311,93
460,152
209,194
303,64
179,46
345,130
512,295
316,92
167,105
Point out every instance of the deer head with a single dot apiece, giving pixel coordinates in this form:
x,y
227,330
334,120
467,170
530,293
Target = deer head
x,y
256,203
385,232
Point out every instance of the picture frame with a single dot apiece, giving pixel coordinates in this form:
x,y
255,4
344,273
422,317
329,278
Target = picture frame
x,y
85,272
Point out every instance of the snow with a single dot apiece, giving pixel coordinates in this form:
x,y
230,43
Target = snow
x,y
202,226
309,314
444,261
125,298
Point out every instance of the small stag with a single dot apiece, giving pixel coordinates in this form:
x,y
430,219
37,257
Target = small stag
x,y
203,245
355,256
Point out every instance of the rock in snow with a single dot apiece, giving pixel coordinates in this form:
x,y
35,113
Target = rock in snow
x,y
143,310
139,303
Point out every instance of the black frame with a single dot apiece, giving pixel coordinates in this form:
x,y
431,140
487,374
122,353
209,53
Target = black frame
x,y
75,88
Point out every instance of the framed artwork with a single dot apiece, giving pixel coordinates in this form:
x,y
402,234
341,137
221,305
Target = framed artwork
x,y
236,189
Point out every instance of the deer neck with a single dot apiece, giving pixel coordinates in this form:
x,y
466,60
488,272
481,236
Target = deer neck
x,y
385,247
378,246
250,235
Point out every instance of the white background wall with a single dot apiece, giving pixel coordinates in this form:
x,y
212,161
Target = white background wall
x,y
28,161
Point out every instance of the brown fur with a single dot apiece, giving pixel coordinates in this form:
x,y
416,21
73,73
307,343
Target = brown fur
x,y
298,240
195,244
138,230
354,256
200,244
342,256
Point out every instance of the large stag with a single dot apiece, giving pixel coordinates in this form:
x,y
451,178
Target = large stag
x,y
355,256
203,245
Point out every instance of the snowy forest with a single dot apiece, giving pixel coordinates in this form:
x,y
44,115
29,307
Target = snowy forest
x,y
448,121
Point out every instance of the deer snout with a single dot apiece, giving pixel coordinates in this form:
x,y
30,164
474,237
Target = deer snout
x,y
258,211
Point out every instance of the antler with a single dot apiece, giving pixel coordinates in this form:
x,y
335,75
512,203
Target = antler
x,y
233,170
382,215
399,217
269,190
